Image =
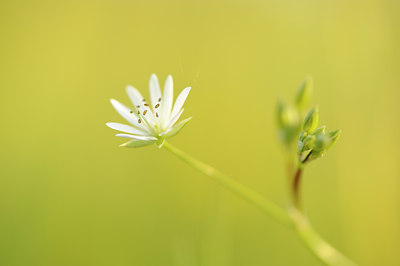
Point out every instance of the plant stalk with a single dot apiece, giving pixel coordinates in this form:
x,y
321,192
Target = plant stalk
x,y
293,219
249,195
296,188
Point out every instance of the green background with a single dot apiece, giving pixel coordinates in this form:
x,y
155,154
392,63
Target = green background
x,y
70,196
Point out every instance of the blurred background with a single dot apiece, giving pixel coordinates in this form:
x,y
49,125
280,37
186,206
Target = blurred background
x,y
70,196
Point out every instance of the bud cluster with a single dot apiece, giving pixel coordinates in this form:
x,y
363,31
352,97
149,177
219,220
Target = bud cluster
x,y
289,116
314,141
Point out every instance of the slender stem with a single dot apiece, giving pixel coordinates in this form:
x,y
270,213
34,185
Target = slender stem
x,y
293,219
254,198
316,244
297,182
296,188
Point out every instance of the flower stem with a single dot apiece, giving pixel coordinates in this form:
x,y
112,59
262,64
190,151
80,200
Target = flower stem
x,y
316,244
296,188
293,219
254,198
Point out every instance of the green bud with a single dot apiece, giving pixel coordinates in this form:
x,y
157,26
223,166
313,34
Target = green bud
x,y
300,146
306,145
319,130
289,122
316,154
333,137
321,142
318,145
311,120
304,93
302,136
279,112
309,142
287,115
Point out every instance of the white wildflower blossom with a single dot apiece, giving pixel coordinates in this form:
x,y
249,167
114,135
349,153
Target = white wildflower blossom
x,y
154,121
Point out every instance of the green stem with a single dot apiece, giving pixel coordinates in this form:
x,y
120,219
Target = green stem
x,y
296,188
316,244
254,198
294,219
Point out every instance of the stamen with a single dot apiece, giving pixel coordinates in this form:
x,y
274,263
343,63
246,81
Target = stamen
x,y
138,112
145,112
139,121
159,99
131,112
157,105
144,99
156,114
137,106
146,104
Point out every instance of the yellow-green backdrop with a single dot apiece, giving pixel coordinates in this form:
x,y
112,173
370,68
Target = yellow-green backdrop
x,y
70,196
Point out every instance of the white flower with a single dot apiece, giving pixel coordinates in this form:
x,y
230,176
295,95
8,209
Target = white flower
x,y
154,121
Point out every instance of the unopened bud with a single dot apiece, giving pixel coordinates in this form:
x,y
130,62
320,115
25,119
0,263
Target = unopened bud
x,y
311,121
333,137
304,93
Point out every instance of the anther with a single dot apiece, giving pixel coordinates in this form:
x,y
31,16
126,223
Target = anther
x,y
157,105
144,99
139,121
137,106
131,112
146,104
138,112
145,112
159,99
156,114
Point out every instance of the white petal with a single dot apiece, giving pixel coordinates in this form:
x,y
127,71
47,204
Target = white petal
x,y
180,101
155,91
175,130
126,128
125,112
135,96
166,103
136,143
137,101
147,138
175,118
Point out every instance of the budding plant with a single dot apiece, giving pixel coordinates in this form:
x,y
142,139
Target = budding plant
x,y
153,122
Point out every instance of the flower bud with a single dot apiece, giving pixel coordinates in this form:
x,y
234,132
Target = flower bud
x,y
321,142
289,122
306,144
304,93
311,121
287,115
319,130
333,137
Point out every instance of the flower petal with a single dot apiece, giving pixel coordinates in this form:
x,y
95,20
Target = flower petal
x,y
136,143
125,112
166,103
146,138
175,130
155,91
180,101
126,128
140,104
175,118
134,95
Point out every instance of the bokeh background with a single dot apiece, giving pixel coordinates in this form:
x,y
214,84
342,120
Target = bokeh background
x,y
70,196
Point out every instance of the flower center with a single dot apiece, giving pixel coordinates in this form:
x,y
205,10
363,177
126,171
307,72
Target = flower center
x,y
149,115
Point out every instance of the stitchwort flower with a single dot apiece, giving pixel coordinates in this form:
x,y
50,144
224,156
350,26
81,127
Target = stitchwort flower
x,y
151,122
